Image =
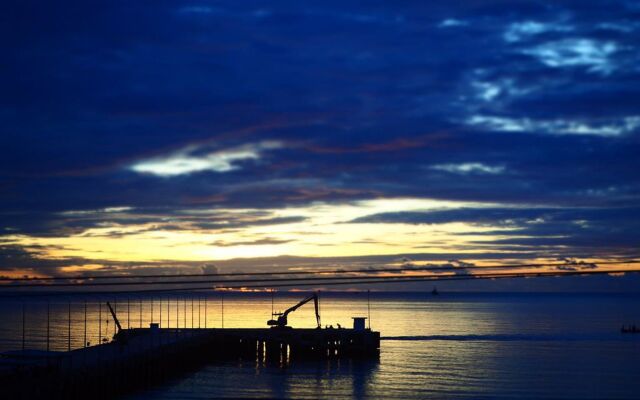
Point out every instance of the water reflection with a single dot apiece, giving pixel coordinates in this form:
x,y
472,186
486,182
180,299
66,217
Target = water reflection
x,y
297,379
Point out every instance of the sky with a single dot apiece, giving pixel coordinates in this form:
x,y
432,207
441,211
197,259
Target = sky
x,y
223,135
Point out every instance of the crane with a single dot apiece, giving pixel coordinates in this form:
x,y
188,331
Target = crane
x,y
115,318
281,322
121,335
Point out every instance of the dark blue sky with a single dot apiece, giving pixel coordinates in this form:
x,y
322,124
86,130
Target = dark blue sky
x,y
524,114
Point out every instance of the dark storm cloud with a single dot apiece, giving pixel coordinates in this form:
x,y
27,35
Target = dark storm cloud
x,y
118,221
534,228
243,223
526,103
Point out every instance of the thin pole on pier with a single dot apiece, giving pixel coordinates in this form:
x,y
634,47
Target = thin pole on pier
x,y
272,290
152,310
177,314
168,312
198,312
369,308
99,321
115,302
48,324
191,312
185,312
205,311
160,311
140,324
23,323
128,313
85,324
69,327
319,307
222,305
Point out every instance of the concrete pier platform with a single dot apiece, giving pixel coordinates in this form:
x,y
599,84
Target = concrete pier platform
x,y
143,356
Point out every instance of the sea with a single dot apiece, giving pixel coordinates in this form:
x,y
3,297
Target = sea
x,y
445,346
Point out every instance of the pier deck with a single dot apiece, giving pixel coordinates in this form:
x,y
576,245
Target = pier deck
x,y
142,356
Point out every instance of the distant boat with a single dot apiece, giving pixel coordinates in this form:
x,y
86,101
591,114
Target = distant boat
x,y
629,329
434,292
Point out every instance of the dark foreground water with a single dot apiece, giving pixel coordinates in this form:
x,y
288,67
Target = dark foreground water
x,y
446,346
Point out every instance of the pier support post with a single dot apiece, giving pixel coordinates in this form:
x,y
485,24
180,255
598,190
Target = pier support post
x,y
260,351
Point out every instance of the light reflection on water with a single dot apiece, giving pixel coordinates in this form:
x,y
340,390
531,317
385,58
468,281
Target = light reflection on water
x,y
448,346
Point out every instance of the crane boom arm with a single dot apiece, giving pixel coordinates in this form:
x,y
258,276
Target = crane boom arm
x,y
282,319
300,304
115,318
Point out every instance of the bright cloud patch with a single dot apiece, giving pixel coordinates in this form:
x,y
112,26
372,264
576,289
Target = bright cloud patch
x,y
449,23
593,54
624,27
523,30
186,161
557,127
488,91
469,168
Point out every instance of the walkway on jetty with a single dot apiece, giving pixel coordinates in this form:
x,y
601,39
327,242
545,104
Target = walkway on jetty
x,y
143,356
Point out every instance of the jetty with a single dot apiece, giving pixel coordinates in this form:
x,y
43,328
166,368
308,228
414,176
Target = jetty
x,y
142,357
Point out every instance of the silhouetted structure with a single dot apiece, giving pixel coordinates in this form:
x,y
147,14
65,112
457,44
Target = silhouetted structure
x,y
141,356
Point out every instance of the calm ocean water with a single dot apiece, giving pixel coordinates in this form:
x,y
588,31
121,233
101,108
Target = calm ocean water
x,y
448,346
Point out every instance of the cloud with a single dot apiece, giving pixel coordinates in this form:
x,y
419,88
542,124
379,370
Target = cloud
x,y
209,269
241,222
595,55
608,127
519,31
624,27
497,91
451,22
572,264
254,242
192,92
188,161
197,10
482,216
532,229
469,168
487,90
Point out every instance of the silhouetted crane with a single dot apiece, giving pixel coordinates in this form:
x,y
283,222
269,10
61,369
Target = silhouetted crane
x,y
281,322
115,318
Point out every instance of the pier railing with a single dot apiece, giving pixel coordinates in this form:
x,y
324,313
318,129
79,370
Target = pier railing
x,y
64,324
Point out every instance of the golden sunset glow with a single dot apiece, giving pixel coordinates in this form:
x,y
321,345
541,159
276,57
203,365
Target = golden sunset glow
x,y
325,231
